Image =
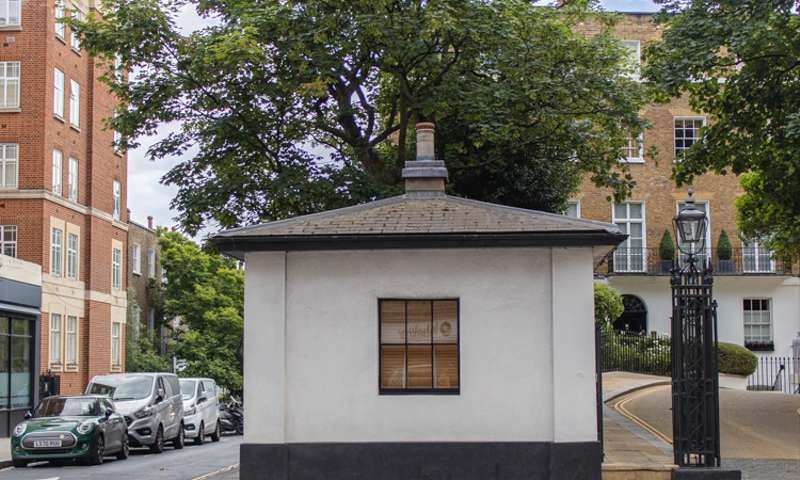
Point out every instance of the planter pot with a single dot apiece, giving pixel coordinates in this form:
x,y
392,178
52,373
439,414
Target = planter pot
x,y
735,382
665,266
725,266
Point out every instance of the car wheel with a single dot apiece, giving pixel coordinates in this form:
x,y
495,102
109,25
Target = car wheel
x,y
201,435
96,457
19,463
217,433
125,450
158,445
179,440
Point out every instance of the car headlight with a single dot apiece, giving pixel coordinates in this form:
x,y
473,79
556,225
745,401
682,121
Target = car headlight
x,y
190,411
85,427
144,413
20,429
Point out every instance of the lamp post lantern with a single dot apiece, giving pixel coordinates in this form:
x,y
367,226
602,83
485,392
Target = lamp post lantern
x,y
695,372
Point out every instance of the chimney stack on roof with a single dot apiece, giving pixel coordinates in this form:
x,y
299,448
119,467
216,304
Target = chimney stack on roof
x,y
150,222
425,174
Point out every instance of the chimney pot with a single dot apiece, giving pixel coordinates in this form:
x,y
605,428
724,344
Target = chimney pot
x,y
150,222
425,174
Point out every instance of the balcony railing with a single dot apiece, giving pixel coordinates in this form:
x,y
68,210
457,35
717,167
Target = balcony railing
x,y
743,261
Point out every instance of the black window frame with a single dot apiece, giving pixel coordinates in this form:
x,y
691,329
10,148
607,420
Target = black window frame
x,y
419,391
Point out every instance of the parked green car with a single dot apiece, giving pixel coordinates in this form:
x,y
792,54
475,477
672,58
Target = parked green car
x,y
70,427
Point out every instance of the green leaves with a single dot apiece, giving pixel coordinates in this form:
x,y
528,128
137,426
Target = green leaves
x,y
286,108
739,62
205,291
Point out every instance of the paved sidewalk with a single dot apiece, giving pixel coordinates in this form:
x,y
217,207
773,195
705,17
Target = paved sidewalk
x,y
617,384
5,452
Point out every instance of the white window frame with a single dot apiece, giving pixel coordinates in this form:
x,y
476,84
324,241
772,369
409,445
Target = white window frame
x,y
639,158
71,341
8,244
116,192
9,159
577,204
74,41
136,259
626,259
707,248
58,93
74,104
58,160
760,339
54,339
9,8
151,262
116,268
56,251
73,254
756,258
72,179
636,74
676,151
7,79
116,344
60,28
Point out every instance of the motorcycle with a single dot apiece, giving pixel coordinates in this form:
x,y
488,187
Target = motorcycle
x,y
231,416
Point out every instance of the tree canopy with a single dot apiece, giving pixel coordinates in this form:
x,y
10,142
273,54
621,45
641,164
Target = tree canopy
x,y
204,293
299,106
739,62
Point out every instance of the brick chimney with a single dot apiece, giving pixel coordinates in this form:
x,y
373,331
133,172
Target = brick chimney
x,y
425,174
150,222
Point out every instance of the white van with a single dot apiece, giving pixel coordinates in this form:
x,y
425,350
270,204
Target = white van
x,y
200,409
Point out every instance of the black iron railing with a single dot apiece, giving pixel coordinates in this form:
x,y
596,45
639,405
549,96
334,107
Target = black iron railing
x,y
776,374
742,261
630,352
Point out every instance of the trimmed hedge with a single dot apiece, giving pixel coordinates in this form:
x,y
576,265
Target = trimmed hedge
x,y
736,360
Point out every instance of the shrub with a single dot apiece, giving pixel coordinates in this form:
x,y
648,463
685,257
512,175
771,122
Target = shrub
x,y
724,249
736,360
607,303
666,249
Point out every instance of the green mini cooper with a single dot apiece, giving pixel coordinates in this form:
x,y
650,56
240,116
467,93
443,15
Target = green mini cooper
x,y
67,428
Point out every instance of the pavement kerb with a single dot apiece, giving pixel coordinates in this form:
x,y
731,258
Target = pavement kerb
x,y
627,390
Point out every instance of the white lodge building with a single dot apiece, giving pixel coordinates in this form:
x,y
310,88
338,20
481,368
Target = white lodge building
x,y
420,336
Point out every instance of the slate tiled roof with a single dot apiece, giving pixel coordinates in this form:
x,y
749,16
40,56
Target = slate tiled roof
x,y
421,214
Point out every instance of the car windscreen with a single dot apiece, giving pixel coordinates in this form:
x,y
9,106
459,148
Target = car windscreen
x,y
68,407
127,387
187,389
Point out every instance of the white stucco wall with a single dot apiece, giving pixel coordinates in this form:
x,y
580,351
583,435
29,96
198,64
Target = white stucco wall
x,y
729,291
311,346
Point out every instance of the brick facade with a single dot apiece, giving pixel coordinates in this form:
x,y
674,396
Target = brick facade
x,y
140,284
35,209
655,187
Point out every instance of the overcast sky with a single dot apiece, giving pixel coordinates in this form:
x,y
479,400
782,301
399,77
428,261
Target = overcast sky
x,y
146,196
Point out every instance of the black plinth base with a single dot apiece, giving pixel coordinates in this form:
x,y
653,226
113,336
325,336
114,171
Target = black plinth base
x,y
706,474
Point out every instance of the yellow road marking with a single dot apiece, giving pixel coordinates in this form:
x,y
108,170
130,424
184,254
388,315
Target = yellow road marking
x,y
619,406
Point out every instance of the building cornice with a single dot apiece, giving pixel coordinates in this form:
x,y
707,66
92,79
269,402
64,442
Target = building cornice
x,y
59,200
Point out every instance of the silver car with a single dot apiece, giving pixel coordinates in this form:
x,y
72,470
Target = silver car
x,y
200,409
151,404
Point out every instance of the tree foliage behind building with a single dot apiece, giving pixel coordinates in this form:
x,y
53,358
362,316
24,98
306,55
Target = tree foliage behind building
x,y
204,295
525,103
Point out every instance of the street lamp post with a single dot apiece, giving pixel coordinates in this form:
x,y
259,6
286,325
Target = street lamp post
x,y
695,373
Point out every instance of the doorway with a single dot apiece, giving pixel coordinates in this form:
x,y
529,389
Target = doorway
x,y
634,317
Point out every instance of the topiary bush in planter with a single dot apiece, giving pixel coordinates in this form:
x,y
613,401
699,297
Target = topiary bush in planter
x,y
736,360
724,254
666,252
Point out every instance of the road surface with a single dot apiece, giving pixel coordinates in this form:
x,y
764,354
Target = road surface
x,y
193,462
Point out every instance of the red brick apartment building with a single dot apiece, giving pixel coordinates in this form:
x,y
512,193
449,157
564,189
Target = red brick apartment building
x,y
63,188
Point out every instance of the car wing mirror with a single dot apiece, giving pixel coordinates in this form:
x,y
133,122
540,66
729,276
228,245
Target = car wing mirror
x,y
201,399
28,415
109,412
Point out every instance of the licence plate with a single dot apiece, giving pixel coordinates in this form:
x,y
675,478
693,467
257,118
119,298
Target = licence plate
x,y
46,443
